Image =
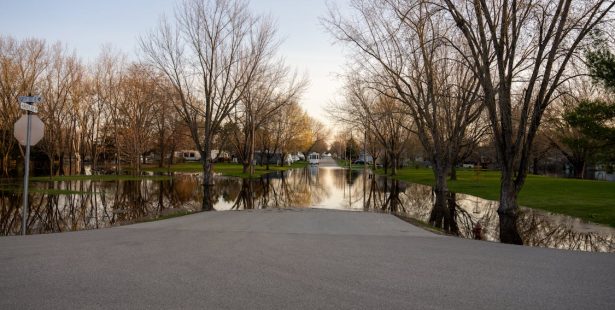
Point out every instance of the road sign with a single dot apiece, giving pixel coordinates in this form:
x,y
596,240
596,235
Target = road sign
x,y
21,130
30,99
28,107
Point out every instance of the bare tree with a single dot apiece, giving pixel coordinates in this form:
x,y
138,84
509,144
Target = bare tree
x,y
270,90
108,71
22,64
519,50
141,97
210,55
402,51
63,75
377,115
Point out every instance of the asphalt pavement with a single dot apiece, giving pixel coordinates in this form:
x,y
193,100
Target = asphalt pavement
x,y
327,161
293,259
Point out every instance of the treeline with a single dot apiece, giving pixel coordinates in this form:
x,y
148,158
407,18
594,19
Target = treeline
x,y
453,76
187,93
111,110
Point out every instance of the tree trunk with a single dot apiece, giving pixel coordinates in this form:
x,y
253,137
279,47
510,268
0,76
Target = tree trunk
x,y
208,175
162,149
443,213
394,159
208,204
61,164
386,163
508,209
579,169
251,150
453,173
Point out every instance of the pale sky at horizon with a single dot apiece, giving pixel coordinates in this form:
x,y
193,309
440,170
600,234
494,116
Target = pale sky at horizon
x,y
85,26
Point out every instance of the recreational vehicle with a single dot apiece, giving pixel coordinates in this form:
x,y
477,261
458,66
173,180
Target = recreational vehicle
x,y
314,158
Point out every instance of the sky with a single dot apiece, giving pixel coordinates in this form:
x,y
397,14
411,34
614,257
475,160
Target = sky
x,y
86,25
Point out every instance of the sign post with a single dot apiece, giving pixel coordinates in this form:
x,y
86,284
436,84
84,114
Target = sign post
x,y
27,103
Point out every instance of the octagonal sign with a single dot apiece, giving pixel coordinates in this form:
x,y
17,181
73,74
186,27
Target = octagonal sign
x,y
37,129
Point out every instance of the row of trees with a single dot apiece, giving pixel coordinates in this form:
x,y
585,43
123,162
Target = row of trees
x,y
220,59
450,71
209,79
111,110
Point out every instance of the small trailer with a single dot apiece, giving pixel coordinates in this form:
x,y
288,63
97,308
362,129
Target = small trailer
x,y
314,158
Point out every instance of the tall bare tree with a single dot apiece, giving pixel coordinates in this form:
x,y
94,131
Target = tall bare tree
x,y
271,89
209,54
378,115
22,64
62,77
108,71
403,52
519,50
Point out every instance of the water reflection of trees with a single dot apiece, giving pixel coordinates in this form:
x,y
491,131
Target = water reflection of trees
x,y
293,188
471,217
96,204
79,205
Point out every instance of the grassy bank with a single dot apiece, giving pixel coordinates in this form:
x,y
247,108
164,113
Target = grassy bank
x,y
227,169
344,164
587,199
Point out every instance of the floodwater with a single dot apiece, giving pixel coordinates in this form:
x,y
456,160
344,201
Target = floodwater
x,y
100,204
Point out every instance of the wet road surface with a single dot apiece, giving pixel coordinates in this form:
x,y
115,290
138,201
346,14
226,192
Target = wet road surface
x,y
293,258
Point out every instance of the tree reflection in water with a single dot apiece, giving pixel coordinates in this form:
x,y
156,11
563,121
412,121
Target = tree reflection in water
x,y
472,217
96,204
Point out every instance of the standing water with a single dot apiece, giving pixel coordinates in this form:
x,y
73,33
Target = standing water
x,y
84,204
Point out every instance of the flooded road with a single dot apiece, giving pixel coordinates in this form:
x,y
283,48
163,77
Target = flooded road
x,y
97,204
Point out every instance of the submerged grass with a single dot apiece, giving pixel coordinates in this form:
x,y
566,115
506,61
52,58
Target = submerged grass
x,y
588,199
344,164
105,177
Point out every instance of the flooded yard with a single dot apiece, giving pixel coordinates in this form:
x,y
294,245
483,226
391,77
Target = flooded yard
x,y
84,204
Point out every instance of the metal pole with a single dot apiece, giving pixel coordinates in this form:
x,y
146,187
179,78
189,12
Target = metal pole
x,y
24,219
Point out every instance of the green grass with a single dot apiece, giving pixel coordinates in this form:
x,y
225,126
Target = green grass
x,y
344,164
227,169
587,199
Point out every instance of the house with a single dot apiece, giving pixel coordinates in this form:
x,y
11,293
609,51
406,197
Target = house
x,y
194,155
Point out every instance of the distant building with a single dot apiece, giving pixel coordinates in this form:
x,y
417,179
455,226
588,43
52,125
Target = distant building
x,y
194,155
188,155
365,158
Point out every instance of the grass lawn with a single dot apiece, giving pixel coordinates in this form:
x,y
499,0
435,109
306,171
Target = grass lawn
x,y
587,199
227,169
344,164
